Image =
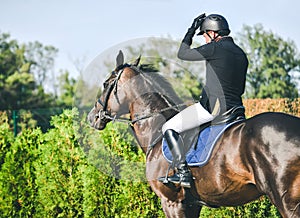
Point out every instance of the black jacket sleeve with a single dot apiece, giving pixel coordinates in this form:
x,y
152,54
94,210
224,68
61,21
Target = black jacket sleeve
x,y
204,52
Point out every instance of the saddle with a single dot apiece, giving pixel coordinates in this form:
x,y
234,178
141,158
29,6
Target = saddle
x,y
200,141
234,114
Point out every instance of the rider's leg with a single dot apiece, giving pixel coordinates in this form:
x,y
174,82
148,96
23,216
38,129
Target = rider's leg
x,y
193,116
183,175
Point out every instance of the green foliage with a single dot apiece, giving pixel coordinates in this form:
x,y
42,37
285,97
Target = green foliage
x,y
60,168
257,209
75,171
6,137
24,71
271,64
41,58
18,86
67,87
122,171
70,172
18,190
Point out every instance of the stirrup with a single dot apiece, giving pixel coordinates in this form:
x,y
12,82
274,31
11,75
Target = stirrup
x,y
164,179
182,179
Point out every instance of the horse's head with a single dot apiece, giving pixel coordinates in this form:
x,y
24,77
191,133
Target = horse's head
x,y
113,101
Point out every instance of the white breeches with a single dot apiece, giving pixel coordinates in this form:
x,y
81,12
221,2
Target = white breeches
x,y
192,116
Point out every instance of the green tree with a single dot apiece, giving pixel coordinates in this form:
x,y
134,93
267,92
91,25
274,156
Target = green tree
x,y
18,87
26,70
42,59
66,90
271,64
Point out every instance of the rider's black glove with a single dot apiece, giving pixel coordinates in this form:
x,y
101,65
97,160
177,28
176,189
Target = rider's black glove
x,y
198,21
188,38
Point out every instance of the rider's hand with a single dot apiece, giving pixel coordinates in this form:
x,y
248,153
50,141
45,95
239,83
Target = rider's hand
x,y
188,38
198,21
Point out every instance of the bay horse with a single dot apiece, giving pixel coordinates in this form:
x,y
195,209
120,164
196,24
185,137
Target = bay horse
x,y
255,157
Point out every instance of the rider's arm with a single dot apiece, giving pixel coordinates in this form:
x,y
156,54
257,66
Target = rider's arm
x,y
187,53
204,52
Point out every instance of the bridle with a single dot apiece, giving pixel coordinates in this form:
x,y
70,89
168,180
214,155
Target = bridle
x,y
105,114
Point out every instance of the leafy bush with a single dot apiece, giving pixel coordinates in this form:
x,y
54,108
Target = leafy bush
x,y
121,166
70,171
59,169
256,209
6,137
285,105
18,190
75,171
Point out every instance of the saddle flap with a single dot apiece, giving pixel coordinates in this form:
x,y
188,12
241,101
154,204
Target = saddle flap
x,y
200,153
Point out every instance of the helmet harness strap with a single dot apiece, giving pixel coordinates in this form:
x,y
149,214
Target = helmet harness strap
x,y
212,38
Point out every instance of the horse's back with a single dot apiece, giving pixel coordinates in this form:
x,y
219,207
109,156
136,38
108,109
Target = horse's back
x,y
282,121
278,130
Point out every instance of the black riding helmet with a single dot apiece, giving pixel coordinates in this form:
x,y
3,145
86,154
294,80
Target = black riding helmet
x,y
216,23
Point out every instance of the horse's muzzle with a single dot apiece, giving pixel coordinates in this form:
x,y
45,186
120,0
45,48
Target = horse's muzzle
x,y
98,120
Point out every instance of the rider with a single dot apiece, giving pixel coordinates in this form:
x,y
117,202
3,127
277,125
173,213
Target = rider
x,y
226,67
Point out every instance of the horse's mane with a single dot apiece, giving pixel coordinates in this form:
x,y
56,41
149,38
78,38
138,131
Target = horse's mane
x,y
147,68
159,83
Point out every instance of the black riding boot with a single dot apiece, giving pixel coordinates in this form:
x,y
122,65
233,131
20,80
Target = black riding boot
x,y
183,176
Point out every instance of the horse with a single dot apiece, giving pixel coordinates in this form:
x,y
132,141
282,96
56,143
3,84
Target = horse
x,y
255,157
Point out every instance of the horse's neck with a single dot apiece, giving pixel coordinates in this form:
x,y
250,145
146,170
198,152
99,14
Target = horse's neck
x,y
147,106
147,125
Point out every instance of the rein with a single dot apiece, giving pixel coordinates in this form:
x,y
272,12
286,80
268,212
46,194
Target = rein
x,y
146,116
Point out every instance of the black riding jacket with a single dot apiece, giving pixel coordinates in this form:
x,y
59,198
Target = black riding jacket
x,y
226,68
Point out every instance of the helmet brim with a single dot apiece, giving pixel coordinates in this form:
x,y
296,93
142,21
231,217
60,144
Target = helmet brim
x,y
200,33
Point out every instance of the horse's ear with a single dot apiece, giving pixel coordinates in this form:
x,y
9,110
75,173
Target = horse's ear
x,y
120,59
137,61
